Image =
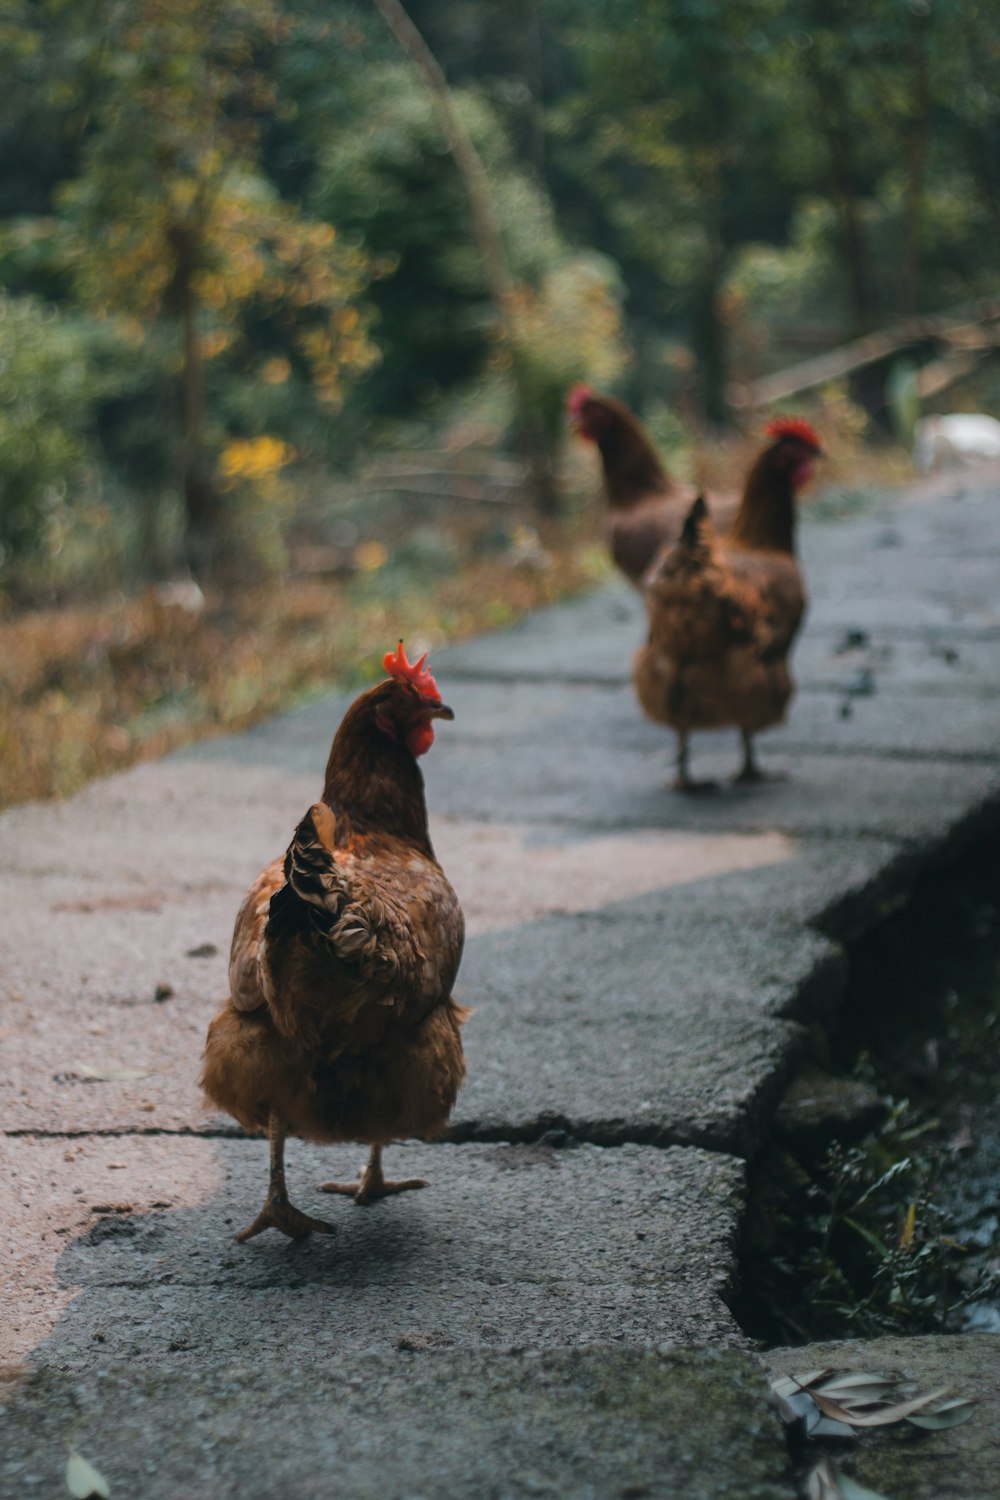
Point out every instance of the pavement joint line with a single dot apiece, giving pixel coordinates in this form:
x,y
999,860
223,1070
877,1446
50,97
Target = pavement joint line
x,y
211,1132
978,692
542,679
542,676
468,1134
900,753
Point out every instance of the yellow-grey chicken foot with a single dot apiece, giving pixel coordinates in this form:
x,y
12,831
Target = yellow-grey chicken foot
x,y
683,780
277,1212
750,772
371,1184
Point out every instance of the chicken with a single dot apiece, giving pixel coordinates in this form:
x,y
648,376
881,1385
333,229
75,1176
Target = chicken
x,y
646,508
340,1023
723,614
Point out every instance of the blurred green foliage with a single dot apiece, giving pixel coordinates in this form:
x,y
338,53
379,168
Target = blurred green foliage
x,y
56,370
43,415
239,219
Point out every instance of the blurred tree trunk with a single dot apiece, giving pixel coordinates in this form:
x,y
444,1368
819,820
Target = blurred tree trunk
x,y
917,138
197,488
867,385
199,492
532,439
708,340
843,191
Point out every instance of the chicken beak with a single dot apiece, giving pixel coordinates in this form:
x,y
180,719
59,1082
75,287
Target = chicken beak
x,y
442,711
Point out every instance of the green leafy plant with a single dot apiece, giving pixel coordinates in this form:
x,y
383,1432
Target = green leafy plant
x,y
854,1245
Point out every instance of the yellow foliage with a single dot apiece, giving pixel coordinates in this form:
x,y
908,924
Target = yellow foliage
x,y
370,556
254,458
276,371
214,343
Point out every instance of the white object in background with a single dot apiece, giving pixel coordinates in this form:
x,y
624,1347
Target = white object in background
x,y
960,438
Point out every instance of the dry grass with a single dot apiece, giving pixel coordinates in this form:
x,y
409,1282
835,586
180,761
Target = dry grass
x,y
89,690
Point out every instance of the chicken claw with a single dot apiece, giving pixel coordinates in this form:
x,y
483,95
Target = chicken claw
x,y
277,1212
683,781
686,784
371,1184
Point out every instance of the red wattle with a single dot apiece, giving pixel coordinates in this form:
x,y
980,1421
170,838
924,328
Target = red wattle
x,y
420,740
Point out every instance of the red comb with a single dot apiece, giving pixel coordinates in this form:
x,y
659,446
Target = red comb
x,y
793,427
395,663
577,398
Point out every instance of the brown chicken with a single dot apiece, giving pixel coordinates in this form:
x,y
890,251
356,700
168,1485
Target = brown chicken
x,y
723,614
340,1023
646,508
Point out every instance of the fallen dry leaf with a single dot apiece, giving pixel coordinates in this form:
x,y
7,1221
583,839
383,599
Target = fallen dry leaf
x,y
828,1482
885,1417
842,1404
84,1481
821,1484
949,1414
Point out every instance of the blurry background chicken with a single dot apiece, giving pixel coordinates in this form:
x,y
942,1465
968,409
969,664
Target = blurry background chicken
x,y
723,613
646,508
340,1025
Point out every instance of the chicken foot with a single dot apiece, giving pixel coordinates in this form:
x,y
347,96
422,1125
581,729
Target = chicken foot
x,y
277,1212
683,781
371,1184
750,771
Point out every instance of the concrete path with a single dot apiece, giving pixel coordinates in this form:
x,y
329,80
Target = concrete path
x,y
549,1316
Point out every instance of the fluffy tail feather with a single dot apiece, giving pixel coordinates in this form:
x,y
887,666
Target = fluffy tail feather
x,y
692,532
318,895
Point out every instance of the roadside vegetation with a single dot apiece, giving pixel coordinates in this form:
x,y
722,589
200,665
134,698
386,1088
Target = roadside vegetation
x,y
893,1229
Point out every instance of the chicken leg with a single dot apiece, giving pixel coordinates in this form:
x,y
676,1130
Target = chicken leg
x,y
371,1184
750,771
683,781
277,1212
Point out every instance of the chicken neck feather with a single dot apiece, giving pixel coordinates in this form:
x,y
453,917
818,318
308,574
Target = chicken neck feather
x,y
373,781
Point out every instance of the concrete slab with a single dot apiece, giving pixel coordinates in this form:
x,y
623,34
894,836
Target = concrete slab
x,y
592,764
122,1249
960,1464
932,663
637,1025
908,564
595,1424
586,640
946,727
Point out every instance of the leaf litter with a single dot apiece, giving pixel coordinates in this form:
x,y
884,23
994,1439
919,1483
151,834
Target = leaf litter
x,y
859,1400
842,1404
